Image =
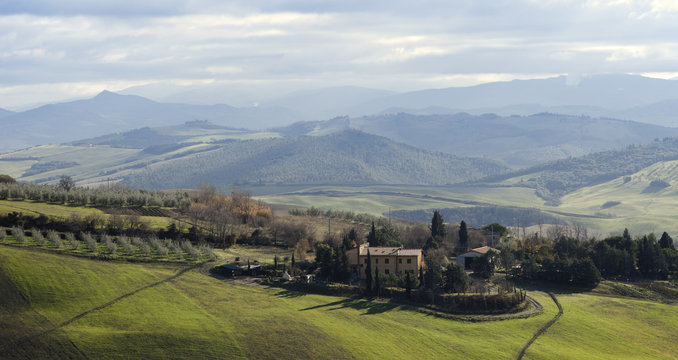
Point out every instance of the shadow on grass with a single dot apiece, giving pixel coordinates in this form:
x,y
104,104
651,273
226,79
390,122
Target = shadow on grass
x,y
289,294
551,287
369,307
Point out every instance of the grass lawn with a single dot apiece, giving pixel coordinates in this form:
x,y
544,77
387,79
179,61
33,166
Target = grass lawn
x,y
197,316
49,210
603,327
64,212
263,254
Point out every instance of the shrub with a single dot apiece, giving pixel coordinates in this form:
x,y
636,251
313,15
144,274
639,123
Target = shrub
x,y
18,234
158,246
75,243
37,237
124,242
108,242
54,238
178,251
145,249
91,242
208,252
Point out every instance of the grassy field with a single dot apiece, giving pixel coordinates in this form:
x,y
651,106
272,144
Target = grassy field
x,y
197,316
64,212
640,210
603,327
378,199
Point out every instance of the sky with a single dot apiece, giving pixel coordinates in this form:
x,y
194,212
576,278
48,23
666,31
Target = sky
x,y
58,50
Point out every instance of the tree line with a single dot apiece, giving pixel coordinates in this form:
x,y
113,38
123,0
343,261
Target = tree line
x,y
115,196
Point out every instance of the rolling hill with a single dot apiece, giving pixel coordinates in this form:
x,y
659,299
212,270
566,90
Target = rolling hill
x,y
518,141
557,178
349,157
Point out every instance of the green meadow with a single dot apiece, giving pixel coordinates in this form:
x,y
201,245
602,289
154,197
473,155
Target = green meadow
x,y
64,212
197,316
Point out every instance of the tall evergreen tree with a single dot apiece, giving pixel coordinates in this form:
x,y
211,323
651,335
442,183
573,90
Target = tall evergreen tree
x,y
463,237
437,225
368,273
377,282
626,235
372,236
665,242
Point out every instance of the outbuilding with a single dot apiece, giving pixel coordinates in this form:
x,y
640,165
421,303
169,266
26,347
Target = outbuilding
x,y
466,259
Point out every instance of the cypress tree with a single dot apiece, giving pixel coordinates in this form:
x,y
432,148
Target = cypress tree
x,y
626,235
665,242
437,225
377,283
372,236
463,237
368,274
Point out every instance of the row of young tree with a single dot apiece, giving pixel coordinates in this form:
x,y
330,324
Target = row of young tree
x,y
107,245
114,196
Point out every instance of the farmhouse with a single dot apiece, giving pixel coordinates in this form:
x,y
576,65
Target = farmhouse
x,y
466,259
390,260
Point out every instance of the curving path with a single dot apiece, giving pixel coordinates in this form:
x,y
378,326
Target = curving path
x,y
252,281
543,329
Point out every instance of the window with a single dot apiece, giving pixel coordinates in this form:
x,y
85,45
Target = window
x,y
385,261
409,261
376,261
365,261
386,271
400,261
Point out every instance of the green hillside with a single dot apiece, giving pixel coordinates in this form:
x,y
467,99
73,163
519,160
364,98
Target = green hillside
x,y
62,306
555,179
631,201
349,157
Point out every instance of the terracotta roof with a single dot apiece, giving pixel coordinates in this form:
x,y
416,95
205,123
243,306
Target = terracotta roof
x,y
384,251
379,250
483,250
409,252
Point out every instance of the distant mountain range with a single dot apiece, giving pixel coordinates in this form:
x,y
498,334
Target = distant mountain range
x,y
628,97
109,112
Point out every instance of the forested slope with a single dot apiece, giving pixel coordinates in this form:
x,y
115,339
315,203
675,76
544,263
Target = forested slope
x,y
349,157
557,178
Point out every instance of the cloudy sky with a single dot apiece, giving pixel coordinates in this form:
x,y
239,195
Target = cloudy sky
x,y
57,50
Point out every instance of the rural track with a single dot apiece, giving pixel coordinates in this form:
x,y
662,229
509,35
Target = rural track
x,y
103,306
543,329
